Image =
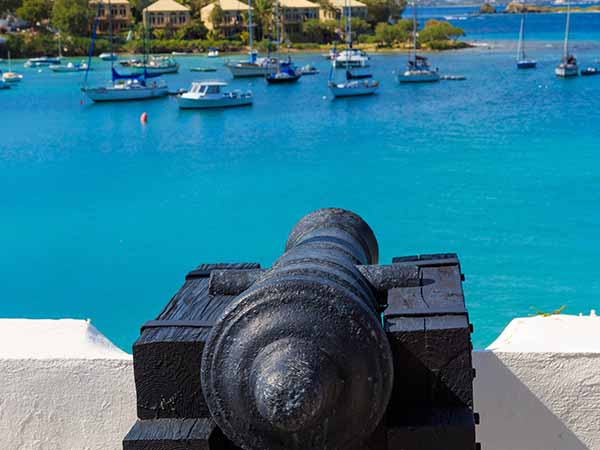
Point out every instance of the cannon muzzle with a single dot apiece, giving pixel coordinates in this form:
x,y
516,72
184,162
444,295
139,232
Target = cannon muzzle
x,y
300,360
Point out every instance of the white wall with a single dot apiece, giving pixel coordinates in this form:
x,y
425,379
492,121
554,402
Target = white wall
x,y
529,398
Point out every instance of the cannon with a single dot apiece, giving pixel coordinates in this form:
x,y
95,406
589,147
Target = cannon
x,y
324,350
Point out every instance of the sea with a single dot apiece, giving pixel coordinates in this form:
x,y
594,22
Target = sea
x,y
102,216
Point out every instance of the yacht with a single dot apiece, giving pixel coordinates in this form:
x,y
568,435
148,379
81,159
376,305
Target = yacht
x,y
210,94
70,67
158,65
523,62
212,52
125,90
10,76
418,69
351,57
568,63
42,61
108,56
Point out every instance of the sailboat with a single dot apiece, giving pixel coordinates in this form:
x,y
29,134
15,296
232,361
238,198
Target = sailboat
x,y
418,69
286,71
10,76
122,87
522,61
568,63
350,87
254,66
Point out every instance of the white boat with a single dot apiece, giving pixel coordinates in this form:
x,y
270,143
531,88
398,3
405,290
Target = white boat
x,y
42,61
123,87
70,67
212,52
180,53
253,66
127,90
353,88
523,62
351,57
108,56
209,94
418,69
10,76
156,65
568,64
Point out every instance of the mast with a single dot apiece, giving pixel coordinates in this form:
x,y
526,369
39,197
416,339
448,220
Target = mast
x,y
349,32
415,31
92,43
110,37
566,43
59,47
520,52
250,27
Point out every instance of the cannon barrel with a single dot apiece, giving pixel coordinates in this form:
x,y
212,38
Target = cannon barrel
x,y
299,360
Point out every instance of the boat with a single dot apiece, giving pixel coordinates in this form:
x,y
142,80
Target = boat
x,y
202,69
350,87
10,76
286,71
130,61
568,64
309,70
357,75
254,66
590,71
523,62
418,69
209,94
70,67
108,56
159,65
180,53
43,61
212,52
353,88
122,87
351,57
453,77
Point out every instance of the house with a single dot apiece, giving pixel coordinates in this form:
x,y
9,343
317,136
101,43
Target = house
x,y
233,16
166,13
339,10
121,15
294,12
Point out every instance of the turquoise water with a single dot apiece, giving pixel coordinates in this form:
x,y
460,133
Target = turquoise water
x,y
102,216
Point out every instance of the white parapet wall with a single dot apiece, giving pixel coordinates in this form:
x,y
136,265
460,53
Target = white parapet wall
x,y
66,387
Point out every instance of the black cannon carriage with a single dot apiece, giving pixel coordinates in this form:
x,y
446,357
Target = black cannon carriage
x,y
325,350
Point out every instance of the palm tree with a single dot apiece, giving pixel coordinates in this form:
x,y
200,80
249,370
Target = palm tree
x,y
262,12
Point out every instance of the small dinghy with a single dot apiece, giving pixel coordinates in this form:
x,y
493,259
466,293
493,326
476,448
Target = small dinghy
x,y
209,94
453,77
212,52
309,70
590,71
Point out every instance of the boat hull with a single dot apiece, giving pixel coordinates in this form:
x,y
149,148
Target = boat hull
x,y
590,72
422,77
566,71
156,70
10,77
190,103
108,56
339,91
246,70
342,64
286,80
123,94
526,64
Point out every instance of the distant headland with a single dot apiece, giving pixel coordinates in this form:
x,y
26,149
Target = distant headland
x,y
520,8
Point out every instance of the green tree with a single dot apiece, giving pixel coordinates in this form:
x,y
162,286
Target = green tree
x,y
72,16
262,13
436,30
35,11
217,17
389,34
193,30
384,10
9,6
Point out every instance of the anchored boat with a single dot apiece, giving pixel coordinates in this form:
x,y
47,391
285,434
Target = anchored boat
x,y
10,76
209,94
418,69
70,67
523,62
568,64
108,56
286,72
159,65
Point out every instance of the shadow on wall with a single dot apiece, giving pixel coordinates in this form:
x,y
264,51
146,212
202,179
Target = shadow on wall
x,y
513,417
